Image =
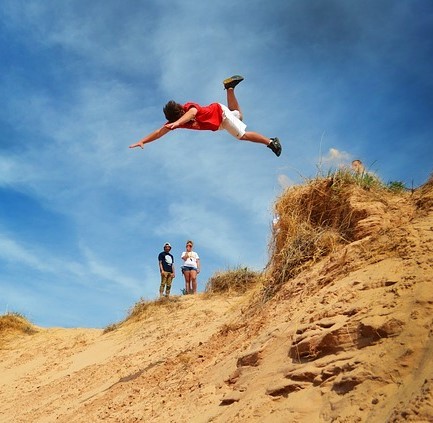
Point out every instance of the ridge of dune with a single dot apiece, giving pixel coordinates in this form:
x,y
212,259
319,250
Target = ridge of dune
x,y
347,339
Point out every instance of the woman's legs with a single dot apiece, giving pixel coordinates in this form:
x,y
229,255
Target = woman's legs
x,y
187,275
194,281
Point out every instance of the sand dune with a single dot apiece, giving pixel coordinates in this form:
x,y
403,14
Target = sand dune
x,y
349,339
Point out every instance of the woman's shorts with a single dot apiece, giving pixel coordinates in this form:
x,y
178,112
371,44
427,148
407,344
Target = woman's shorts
x,y
232,123
188,268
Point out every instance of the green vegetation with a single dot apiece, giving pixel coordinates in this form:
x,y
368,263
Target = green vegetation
x,y
397,186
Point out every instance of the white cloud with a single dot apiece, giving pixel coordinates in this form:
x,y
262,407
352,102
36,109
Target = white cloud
x,y
12,251
336,158
284,181
106,272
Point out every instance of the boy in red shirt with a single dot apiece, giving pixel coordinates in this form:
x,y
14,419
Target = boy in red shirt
x,y
213,117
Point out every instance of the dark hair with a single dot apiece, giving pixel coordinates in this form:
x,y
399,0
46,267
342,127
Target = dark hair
x,y
173,111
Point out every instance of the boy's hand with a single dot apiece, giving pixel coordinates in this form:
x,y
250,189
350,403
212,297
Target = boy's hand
x,y
172,125
137,144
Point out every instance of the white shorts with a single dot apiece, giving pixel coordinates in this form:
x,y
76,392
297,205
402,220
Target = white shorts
x,y
232,123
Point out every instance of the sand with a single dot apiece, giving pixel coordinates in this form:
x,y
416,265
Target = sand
x,y
347,340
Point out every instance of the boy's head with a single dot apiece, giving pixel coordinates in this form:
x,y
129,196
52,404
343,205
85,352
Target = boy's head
x,y
173,111
357,166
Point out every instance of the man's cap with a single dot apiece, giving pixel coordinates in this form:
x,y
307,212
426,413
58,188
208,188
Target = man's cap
x,y
167,244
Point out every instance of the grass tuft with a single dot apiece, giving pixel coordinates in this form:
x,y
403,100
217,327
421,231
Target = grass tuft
x,y
15,322
315,219
144,309
232,281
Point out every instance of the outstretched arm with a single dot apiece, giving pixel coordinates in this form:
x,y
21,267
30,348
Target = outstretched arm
x,y
151,137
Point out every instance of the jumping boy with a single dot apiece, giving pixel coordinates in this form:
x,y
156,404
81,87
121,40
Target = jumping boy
x,y
213,117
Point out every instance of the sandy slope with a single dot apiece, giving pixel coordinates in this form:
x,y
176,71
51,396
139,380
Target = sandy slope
x,y
349,340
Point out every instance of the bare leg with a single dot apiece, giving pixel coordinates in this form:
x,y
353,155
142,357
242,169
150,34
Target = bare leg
x,y
187,275
194,281
232,102
255,137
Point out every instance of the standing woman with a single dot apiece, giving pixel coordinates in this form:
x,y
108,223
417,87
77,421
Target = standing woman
x,y
190,268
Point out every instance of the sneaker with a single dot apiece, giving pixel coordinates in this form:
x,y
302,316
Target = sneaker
x,y
275,146
232,81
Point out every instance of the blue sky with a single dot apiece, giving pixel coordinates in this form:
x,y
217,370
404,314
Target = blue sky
x,y
83,218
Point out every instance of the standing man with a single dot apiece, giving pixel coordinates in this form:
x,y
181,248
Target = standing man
x,y
166,268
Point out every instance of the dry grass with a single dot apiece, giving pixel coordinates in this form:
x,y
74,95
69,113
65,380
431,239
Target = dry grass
x,y
424,196
233,281
315,219
144,309
15,323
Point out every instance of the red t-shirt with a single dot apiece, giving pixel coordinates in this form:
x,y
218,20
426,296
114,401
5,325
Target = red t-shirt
x,y
207,117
